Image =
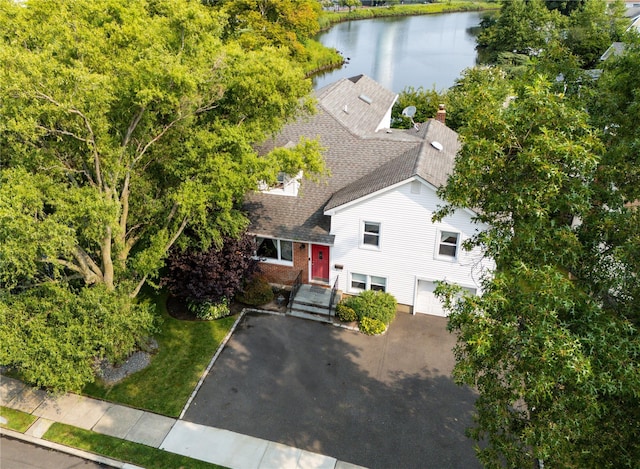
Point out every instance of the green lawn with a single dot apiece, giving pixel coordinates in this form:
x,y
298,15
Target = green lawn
x,y
122,450
16,420
185,349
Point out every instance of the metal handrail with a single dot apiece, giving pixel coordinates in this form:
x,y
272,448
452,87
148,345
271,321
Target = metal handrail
x,y
294,289
334,291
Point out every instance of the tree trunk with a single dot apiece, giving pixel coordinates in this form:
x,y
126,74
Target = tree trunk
x,y
107,262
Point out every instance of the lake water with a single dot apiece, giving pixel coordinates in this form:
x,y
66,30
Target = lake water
x,y
428,51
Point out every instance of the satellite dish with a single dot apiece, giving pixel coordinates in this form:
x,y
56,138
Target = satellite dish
x,y
409,111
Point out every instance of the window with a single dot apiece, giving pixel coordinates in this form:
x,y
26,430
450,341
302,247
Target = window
x,y
448,244
361,282
377,283
358,282
371,234
274,249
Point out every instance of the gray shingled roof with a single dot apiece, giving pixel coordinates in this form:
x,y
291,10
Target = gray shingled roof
x,y
359,103
360,160
424,160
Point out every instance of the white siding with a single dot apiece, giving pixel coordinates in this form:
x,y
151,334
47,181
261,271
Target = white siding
x,y
407,242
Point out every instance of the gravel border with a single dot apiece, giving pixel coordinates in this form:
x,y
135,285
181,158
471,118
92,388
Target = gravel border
x,y
137,361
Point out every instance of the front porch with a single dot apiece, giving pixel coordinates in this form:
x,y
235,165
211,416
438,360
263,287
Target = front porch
x,y
313,302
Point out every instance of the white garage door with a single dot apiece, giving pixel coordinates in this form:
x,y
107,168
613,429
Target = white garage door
x,y
426,301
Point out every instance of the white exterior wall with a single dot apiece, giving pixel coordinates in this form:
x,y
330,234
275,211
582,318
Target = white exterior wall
x,y
408,241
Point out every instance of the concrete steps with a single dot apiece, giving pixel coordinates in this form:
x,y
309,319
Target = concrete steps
x,y
314,317
313,302
309,308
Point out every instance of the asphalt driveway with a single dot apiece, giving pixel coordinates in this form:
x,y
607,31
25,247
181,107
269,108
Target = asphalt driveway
x,y
380,402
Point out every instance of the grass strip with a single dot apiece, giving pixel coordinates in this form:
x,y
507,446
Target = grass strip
x,y
122,450
16,420
185,349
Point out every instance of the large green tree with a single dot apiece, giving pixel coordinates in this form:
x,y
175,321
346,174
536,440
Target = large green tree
x,y
123,126
426,102
592,28
552,344
522,27
282,23
610,231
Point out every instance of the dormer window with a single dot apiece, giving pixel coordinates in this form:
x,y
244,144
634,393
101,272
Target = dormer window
x,y
285,185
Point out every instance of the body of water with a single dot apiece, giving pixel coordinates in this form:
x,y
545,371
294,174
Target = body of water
x,y
428,51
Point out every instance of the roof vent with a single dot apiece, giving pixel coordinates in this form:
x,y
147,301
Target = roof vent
x,y
437,145
365,98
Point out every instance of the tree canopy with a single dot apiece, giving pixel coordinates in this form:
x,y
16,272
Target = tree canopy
x,y
280,23
123,126
552,344
550,162
530,28
521,27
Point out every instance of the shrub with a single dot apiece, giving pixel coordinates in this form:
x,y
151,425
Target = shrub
x,y
373,304
208,310
212,275
345,313
371,326
256,292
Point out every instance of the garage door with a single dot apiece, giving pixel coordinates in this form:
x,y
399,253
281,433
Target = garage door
x,y
426,301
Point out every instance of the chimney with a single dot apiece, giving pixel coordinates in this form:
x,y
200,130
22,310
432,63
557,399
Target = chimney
x,y
441,115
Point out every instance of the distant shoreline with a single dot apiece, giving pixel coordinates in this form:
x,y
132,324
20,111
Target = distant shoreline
x,y
329,18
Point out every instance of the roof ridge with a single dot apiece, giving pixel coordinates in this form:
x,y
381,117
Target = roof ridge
x,y
421,153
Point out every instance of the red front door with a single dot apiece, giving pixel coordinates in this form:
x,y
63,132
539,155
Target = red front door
x,y
320,263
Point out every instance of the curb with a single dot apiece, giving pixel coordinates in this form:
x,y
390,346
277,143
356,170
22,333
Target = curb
x,y
68,450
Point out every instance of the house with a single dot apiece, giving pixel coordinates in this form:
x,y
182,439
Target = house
x,y
368,224
617,48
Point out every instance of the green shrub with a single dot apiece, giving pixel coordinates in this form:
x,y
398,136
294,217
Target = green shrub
x,y
371,326
256,292
344,313
320,57
373,304
207,310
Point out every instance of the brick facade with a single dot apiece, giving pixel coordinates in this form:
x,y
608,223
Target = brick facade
x,y
286,275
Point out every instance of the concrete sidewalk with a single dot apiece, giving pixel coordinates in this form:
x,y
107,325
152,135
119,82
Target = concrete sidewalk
x,y
222,447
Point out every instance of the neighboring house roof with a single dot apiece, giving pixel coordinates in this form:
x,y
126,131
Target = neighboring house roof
x,y
618,48
360,160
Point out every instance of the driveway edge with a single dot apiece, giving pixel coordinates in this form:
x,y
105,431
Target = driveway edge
x,y
219,351
213,360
